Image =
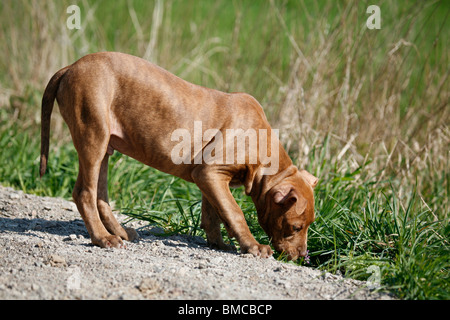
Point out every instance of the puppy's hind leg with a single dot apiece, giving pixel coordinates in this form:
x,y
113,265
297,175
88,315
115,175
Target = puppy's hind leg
x,y
85,197
90,135
104,209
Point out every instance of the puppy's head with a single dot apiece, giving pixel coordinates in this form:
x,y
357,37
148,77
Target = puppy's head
x,y
288,213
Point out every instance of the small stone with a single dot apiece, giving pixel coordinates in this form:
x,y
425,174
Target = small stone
x,y
327,276
14,196
73,236
182,271
148,287
57,261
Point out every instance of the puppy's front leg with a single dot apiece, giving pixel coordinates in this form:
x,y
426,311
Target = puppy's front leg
x,y
214,185
211,225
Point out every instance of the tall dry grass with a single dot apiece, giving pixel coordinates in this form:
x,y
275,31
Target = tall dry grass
x,y
377,98
381,101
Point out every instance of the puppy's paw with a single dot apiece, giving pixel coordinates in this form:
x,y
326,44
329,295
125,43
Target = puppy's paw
x,y
110,241
259,250
222,246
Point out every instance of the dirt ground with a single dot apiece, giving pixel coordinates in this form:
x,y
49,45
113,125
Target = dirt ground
x,y
45,253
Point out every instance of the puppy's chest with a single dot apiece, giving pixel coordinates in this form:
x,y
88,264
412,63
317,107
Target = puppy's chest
x,y
238,179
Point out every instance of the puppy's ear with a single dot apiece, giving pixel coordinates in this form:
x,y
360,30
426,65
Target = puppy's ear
x,y
285,195
312,180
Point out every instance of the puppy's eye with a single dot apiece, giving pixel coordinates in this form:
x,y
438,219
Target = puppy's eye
x,y
297,228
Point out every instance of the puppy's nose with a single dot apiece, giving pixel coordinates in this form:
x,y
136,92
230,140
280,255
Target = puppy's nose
x,y
302,252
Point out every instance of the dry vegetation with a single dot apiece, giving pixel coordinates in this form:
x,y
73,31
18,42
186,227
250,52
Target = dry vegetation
x,y
370,105
378,95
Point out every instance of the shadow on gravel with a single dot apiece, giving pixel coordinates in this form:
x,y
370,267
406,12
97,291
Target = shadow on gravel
x,y
180,241
61,228
76,227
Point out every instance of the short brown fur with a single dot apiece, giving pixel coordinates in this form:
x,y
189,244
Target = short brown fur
x,y
113,101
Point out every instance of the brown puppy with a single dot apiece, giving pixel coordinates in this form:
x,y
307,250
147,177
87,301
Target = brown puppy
x,y
113,101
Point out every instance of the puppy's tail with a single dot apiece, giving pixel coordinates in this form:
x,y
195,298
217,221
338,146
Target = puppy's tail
x,y
48,100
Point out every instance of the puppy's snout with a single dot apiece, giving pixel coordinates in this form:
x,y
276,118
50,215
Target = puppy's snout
x,y
302,251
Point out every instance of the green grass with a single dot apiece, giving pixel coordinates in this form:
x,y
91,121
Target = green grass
x,y
360,222
365,111
360,226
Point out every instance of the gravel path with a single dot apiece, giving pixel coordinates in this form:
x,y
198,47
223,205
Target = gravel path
x,y
45,253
